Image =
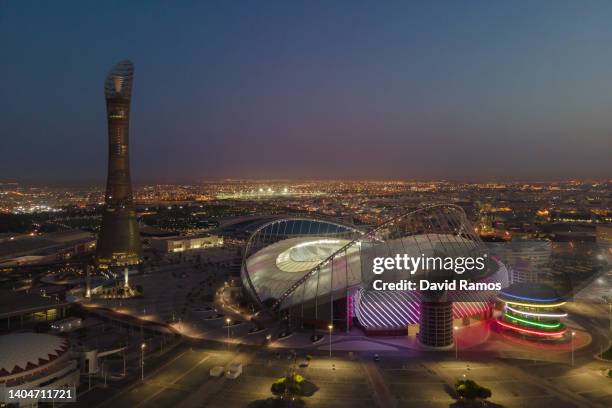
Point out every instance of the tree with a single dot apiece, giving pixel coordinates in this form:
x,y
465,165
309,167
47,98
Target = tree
x,y
484,393
288,387
469,389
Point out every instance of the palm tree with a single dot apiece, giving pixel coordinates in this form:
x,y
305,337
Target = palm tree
x,y
288,387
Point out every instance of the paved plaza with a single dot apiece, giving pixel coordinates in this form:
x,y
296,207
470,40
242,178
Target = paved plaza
x,y
411,379
520,372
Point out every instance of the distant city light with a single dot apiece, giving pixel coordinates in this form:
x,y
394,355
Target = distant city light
x,y
34,209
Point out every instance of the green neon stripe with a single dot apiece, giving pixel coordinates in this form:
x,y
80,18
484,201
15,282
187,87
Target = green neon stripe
x,y
532,323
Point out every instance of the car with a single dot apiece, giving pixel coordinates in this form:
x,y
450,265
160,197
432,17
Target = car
x,y
234,370
216,371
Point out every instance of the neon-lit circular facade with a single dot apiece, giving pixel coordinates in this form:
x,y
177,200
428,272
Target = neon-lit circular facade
x,y
532,310
316,271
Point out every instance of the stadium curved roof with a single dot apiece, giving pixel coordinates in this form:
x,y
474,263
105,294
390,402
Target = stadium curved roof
x,y
285,268
275,268
20,352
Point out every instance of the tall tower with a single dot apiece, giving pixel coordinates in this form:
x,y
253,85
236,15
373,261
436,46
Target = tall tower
x,y
119,239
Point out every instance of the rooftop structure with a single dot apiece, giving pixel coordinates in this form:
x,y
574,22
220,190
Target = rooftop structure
x,y
18,308
44,247
22,352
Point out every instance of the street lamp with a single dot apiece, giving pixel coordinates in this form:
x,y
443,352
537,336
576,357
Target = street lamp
x,y
142,349
573,335
455,328
228,321
330,327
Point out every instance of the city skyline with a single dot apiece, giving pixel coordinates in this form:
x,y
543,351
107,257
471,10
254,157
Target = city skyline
x,y
397,91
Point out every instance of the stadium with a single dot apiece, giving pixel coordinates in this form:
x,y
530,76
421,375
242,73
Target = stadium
x,y
36,360
315,272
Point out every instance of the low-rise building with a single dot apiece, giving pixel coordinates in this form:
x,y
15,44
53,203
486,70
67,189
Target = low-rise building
x,y
22,309
186,243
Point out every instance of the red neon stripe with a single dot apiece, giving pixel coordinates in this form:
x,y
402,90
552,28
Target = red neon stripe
x,y
536,332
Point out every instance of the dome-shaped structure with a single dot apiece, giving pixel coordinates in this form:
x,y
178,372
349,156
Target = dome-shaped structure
x,y
281,254
24,353
36,360
324,269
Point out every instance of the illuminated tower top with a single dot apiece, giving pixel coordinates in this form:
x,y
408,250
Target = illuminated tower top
x,y
118,83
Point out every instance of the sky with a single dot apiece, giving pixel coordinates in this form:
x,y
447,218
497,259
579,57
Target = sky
x,y
456,90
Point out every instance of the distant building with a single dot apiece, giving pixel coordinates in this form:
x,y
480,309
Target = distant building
x,y
45,247
526,259
523,258
524,271
181,244
536,253
147,231
603,235
578,237
571,217
119,240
